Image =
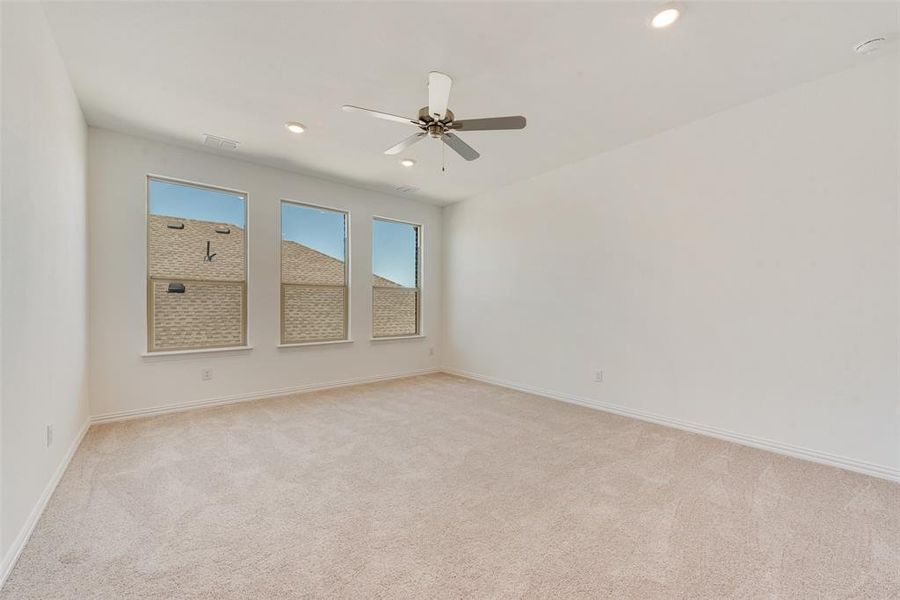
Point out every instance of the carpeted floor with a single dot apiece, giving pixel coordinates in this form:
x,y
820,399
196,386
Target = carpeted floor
x,y
440,487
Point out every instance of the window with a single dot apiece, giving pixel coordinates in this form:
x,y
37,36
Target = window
x,y
396,278
313,274
196,266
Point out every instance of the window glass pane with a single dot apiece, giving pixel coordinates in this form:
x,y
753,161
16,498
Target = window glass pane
x,y
394,253
395,267
196,262
313,274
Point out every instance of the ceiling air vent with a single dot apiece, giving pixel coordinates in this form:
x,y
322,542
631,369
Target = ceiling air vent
x,y
214,141
407,189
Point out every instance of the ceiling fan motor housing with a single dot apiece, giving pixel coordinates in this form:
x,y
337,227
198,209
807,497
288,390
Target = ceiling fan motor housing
x,y
435,128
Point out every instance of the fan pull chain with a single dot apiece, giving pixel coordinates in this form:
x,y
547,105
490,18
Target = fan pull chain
x,y
443,163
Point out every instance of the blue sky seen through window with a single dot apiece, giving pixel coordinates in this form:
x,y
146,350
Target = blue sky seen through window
x,y
172,199
318,228
394,251
393,243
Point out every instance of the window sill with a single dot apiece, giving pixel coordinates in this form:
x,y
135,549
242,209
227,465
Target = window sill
x,y
305,344
196,351
397,337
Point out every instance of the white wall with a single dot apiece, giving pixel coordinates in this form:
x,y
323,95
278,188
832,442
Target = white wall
x,y
739,273
124,380
44,267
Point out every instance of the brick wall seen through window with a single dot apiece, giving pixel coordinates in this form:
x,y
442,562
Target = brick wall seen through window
x,y
314,273
396,269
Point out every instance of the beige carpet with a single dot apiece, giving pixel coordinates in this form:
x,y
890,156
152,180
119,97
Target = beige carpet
x,y
439,487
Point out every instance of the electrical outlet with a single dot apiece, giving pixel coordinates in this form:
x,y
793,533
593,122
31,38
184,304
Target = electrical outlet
x,y
206,374
49,435
598,376
431,351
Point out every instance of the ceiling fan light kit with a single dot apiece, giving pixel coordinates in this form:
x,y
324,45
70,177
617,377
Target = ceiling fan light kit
x,y
437,121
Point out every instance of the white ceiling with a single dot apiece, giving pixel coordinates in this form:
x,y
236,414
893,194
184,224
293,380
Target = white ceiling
x,y
588,76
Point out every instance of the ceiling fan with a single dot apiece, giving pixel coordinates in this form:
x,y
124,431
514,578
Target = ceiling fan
x,y
437,121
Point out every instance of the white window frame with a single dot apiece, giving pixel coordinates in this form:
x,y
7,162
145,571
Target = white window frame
x,y
245,333
420,280
347,278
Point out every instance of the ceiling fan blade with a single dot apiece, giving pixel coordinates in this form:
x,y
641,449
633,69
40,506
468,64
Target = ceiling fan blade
x,y
461,148
438,94
493,123
379,114
405,143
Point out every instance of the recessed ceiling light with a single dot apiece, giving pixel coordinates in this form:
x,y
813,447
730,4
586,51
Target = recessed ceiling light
x,y
870,46
407,162
295,127
665,17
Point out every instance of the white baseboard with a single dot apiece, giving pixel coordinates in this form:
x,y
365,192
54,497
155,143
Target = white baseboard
x,y
843,462
12,555
234,399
